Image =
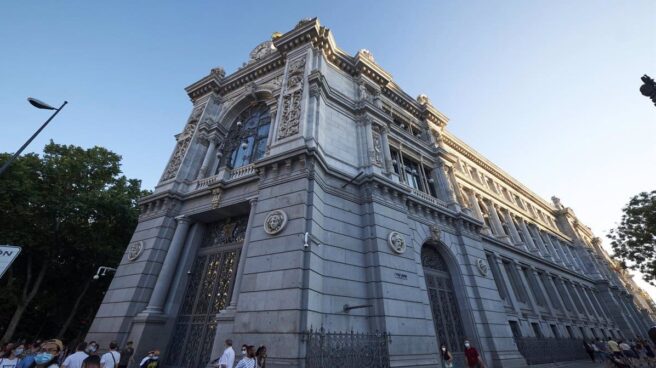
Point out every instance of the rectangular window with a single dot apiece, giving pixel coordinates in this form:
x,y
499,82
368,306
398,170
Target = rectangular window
x,y
412,174
536,330
583,334
514,327
498,281
535,288
396,162
431,186
554,331
515,283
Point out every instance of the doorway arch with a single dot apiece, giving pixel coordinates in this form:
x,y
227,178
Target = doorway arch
x,y
447,318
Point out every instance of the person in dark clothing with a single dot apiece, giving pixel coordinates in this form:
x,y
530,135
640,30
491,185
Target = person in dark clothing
x,y
589,349
472,357
447,358
126,355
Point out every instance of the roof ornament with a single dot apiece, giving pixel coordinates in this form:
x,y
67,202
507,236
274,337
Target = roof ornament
x,y
556,202
218,72
303,22
262,50
423,100
367,55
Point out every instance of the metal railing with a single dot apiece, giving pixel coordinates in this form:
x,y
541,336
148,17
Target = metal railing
x,y
538,350
346,349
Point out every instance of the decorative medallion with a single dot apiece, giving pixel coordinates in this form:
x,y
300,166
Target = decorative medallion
x,y
135,250
275,221
482,267
262,50
396,241
435,232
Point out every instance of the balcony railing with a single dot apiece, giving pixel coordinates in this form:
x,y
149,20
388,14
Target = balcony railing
x,y
241,172
427,197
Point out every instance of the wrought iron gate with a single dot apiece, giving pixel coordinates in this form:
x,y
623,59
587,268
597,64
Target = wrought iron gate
x,y
346,349
208,291
537,350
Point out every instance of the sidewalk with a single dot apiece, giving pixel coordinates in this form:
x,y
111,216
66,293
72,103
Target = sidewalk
x,y
572,364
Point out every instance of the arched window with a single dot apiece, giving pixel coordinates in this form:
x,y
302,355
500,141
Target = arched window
x,y
446,313
247,138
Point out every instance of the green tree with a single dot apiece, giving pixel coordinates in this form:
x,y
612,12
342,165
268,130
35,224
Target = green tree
x,y
71,211
633,241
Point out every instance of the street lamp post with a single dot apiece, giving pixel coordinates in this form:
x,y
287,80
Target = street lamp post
x,y
39,105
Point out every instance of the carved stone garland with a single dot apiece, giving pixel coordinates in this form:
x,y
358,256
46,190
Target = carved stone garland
x,y
291,100
184,140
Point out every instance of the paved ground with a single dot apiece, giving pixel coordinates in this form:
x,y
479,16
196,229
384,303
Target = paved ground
x,y
575,364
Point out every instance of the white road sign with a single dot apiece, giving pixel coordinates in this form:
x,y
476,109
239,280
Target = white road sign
x,y
7,255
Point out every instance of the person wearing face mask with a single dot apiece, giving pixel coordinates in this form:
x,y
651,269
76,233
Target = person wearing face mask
x,y
75,360
48,355
151,360
28,355
248,361
447,358
92,348
9,359
472,357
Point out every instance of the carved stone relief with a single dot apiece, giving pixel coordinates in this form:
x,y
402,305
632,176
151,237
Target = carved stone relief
x,y
184,140
482,267
291,101
134,250
396,241
275,221
435,232
378,148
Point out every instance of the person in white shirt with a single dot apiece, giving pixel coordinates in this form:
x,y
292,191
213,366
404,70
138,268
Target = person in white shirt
x,y
75,360
227,359
9,361
111,358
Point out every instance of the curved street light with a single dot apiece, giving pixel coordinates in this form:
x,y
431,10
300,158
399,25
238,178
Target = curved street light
x,y
39,105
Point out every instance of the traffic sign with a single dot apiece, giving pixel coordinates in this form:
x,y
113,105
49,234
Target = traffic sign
x,y
7,255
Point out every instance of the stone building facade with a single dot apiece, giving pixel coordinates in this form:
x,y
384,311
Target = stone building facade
x,y
307,191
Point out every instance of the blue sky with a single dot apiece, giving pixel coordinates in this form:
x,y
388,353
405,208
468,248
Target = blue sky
x,y
548,90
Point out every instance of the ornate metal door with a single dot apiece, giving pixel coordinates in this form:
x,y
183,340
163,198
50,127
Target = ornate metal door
x,y
208,291
446,315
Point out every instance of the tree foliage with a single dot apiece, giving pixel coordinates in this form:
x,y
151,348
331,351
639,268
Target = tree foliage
x,y
71,211
633,241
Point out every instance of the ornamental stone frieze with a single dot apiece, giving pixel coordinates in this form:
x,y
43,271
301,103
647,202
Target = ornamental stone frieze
x,y
184,140
291,100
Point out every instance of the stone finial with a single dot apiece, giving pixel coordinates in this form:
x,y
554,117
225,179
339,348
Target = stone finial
x,y
367,55
556,202
303,22
218,72
423,100
275,36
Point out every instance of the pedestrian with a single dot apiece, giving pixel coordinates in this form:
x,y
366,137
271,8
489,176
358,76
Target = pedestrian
x,y
627,352
111,358
227,359
243,351
48,354
9,359
28,355
589,350
75,360
151,360
472,357
92,348
447,357
614,348
248,361
260,356
601,350
126,355
92,361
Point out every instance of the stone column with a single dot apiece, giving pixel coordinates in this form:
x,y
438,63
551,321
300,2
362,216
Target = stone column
x,y
209,154
387,155
242,257
496,222
368,132
527,235
444,190
161,289
511,225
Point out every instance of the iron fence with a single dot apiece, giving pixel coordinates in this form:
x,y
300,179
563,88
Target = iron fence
x,y
549,350
346,349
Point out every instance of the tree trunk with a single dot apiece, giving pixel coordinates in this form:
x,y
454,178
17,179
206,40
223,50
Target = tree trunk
x,y
74,309
25,299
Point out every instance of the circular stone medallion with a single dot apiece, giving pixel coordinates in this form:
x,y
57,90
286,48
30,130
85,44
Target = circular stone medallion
x,y
135,250
275,221
396,241
482,266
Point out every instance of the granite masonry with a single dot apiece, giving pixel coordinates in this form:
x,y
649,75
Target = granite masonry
x,y
307,192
